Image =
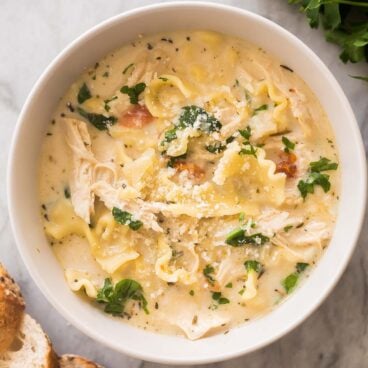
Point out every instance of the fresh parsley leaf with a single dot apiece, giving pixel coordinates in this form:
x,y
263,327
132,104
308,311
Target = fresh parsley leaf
x,y
133,92
99,121
173,160
229,285
107,101
84,94
192,114
246,133
216,147
307,186
248,149
126,218
217,296
207,272
116,297
301,266
252,265
170,135
289,145
324,164
238,238
316,178
365,79
290,282
287,228
260,108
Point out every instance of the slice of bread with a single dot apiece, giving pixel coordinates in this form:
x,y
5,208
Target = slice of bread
x,y
11,309
75,361
31,348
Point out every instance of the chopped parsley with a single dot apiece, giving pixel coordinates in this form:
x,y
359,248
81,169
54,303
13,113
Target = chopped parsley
x,y
238,238
301,266
133,92
107,101
248,149
290,282
163,79
216,147
66,192
188,117
288,228
99,121
229,285
324,164
116,297
84,94
192,114
289,145
126,218
259,109
127,68
173,160
252,265
207,272
241,217
315,177
191,292
217,296
246,133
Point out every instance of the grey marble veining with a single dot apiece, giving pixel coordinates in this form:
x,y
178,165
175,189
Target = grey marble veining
x,y
32,33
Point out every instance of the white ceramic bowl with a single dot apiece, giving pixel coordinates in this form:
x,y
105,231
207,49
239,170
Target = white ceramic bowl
x,y
24,204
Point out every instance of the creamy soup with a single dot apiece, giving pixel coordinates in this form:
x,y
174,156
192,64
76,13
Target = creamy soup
x,y
188,183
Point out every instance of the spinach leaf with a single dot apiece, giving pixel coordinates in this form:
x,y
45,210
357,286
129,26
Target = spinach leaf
x,y
252,265
99,121
84,94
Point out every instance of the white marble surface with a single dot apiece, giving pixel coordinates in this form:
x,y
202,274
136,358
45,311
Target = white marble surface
x,y
32,33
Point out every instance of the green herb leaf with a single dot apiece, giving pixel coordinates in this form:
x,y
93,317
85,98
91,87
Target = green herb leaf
x,y
301,266
229,285
207,272
287,228
115,298
192,114
217,296
126,218
216,147
365,79
173,160
307,186
133,92
84,94
246,133
107,101
252,265
324,164
238,238
290,282
260,108
99,121
289,145
191,292
248,149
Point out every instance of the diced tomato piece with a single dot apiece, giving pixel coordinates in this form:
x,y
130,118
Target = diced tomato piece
x,y
194,171
136,116
287,164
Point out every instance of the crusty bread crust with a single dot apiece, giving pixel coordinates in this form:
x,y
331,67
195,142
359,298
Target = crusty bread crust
x,y
75,361
11,309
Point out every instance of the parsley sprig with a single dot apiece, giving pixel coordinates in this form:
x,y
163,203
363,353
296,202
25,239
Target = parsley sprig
x,y
238,238
345,23
291,281
126,218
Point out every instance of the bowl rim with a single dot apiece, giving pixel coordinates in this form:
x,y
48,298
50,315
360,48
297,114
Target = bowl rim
x,y
90,33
